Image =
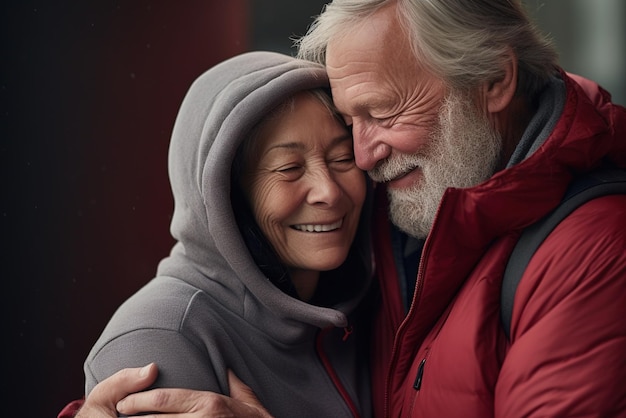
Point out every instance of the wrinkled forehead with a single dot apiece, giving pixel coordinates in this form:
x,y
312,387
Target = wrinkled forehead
x,y
373,48
252,145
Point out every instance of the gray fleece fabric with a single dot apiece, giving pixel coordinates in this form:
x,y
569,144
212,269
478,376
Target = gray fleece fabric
x,y
210,308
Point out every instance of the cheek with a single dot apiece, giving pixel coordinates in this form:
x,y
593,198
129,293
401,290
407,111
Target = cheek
x,y
409,138
353,184
272,204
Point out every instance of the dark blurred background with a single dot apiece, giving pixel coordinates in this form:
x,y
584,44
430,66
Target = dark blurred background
x,y
89,92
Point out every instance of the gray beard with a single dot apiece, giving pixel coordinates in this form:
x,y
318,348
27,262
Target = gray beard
x,y
464,151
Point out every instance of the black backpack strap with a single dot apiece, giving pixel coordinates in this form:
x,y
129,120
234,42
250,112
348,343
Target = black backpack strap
x,y
582,189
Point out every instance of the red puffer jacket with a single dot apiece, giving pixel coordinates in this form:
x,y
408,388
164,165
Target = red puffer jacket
x,y
449,356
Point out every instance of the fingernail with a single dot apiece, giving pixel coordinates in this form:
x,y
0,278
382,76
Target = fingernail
x,y
145,370
120,405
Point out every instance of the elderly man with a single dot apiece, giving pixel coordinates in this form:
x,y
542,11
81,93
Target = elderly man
x,y
460,112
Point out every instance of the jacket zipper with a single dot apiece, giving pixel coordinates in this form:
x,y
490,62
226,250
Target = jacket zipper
x,y
420,373
331,371
398,337
402,328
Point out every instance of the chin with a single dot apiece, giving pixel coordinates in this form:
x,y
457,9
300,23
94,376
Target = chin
x,y
330,262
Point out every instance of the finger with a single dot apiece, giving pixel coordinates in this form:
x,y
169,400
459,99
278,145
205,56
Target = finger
x,y
160,400
243,393
185,402
100,403
190,402
125,381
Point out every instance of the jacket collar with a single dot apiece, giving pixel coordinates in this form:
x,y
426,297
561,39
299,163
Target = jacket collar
x,y
470,220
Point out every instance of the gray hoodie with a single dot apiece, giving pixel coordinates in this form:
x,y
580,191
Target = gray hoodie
x,y
210,307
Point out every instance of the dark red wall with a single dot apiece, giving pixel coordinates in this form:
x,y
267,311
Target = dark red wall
x,y
89,95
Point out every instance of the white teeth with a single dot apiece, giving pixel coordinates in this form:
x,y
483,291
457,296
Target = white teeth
x,y
319,228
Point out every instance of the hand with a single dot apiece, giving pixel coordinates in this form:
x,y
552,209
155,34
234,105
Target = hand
x,y
103,398
243,403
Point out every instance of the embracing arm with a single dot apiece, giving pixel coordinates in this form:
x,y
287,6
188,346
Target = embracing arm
x,y
110,396
101,402
243,403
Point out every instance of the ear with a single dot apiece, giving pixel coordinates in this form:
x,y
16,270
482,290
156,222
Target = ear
x,y
499,92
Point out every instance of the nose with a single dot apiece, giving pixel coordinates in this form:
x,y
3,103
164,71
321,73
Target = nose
x,y
323,188
368,150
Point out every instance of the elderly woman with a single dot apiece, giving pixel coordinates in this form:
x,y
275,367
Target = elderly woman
x,y
266,278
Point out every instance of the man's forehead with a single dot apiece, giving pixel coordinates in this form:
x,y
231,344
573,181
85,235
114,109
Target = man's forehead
x,y
370,39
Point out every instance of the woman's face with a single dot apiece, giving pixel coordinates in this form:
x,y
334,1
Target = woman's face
x,y
303,185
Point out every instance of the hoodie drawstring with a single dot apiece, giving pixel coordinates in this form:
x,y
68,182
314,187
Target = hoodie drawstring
x,y
331,371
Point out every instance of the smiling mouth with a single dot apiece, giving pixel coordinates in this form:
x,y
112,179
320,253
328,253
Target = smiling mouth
x,y
401,175
318,227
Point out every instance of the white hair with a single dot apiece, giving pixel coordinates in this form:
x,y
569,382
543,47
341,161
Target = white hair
x,y
463,42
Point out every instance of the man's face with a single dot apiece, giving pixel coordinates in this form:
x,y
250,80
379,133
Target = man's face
x,y
409,130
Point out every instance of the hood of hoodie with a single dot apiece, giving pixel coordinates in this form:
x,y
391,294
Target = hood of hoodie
x,y
216,116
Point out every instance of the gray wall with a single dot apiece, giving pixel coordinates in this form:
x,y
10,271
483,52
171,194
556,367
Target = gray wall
x,y
590,36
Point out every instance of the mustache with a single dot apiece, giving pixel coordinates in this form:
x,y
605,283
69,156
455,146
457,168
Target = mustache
x,y
395,166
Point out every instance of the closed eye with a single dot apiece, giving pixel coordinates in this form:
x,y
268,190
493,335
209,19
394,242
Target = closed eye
x,y
287,169
290,172
381,120
343,164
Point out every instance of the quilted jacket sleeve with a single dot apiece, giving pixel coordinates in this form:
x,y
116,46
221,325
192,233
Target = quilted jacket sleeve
x,y
568,333
70,410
